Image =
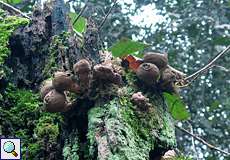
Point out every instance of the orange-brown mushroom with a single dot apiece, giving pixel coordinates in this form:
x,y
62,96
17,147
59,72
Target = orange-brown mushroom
x,y
148,73
63,82
46,87
56,101
160,60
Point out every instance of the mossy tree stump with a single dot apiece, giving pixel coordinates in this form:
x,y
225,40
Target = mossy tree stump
x,y
107,126
115,128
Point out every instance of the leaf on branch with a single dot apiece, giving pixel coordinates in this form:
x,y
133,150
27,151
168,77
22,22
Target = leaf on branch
x,y
80,25
127,46
12,1
176,106
221,41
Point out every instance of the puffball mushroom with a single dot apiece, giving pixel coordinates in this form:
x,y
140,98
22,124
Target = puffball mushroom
x,y
63,82
106,72
46,87
82,69
160,60
56,101
148,73
141,101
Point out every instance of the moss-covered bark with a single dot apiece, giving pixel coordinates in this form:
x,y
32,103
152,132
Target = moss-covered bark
x,y
107,125
119,129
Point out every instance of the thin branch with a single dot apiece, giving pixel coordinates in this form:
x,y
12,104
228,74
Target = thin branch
x,y
222,68
11,8
206,67
193,141
79,15
106,16
202,140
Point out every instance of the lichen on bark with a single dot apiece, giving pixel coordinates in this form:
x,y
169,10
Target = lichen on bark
x,y
119,130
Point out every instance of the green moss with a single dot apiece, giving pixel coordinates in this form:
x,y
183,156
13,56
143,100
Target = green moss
x,y
46,127
7,25
21,116
95,118
58,43
133,133
71,147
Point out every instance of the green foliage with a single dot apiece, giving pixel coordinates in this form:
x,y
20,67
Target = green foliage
x,y
221,40
80,25
176,106
127,46
22,117
13,1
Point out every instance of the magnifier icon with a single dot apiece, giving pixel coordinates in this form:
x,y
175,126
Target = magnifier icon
x,y
9,147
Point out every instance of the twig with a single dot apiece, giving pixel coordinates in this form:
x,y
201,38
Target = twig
x,y
79,15
106,16
9,7
193,141
222,68
206,67
202,140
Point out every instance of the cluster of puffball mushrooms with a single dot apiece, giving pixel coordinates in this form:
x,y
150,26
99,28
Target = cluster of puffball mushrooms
x,y
53,92
153,70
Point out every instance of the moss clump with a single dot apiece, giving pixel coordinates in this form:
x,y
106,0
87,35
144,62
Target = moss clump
x,y
58,46
71,147
7,25
131,134
21,116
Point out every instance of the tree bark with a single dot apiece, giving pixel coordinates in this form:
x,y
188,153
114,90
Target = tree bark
x,y
108,126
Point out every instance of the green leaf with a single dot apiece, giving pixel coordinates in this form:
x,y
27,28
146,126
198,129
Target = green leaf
x,y
12,1
80,25
176,106
214,105
127,46
221,41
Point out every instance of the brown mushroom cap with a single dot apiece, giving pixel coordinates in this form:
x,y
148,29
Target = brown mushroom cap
x,y
55,101
106,72
148,73
63,82
82,66
46,87
160,60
